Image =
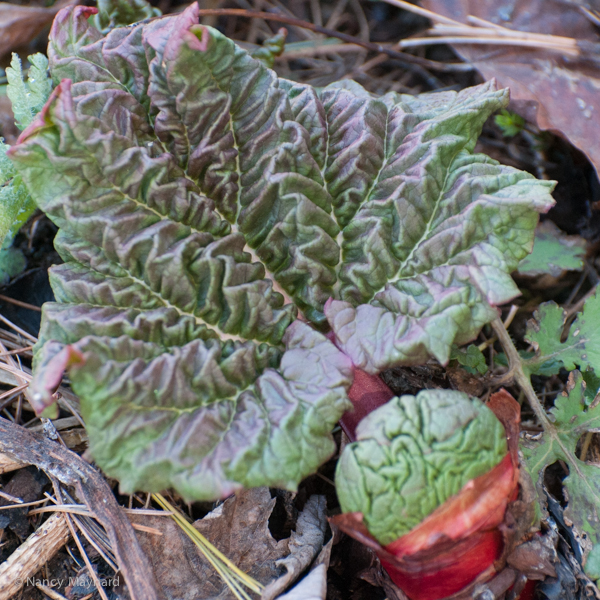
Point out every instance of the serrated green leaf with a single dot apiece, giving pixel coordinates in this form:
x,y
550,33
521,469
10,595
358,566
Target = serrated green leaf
x,y
16,204
580,349
412,454
202,201
572,419
553,252
472,359
28,98
592,385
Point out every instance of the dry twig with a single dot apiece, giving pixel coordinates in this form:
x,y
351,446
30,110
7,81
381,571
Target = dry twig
x,y
31,556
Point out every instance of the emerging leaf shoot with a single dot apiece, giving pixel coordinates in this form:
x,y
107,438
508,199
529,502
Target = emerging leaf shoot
x,y
271,48
509,122
412,454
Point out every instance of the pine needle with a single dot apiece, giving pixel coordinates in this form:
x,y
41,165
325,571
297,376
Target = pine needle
x,y
234,577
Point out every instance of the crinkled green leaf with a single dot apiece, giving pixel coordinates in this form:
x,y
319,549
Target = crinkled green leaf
x,y
202,201
434,229
580,349
116,13
572,419
412,454
553,252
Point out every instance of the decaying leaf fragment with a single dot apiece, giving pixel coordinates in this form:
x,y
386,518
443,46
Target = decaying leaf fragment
x,y
20,24
239,528
558,91
203,202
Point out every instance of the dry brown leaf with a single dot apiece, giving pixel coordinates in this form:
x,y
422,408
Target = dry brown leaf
x,y
239,528
561,93
20,24
305,543
314,585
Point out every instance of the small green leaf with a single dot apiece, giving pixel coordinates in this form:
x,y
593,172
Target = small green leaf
x,y
472,359
572,419
580,349
509,122
271,48
16,205
553,252
592,385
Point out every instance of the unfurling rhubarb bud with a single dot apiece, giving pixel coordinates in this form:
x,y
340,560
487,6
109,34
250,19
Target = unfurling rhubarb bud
x,y
426,485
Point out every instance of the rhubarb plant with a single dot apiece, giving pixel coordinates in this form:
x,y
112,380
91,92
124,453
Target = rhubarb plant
x,y
237,245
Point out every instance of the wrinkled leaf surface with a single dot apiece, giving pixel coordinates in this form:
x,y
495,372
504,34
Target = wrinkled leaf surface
x,y
202,202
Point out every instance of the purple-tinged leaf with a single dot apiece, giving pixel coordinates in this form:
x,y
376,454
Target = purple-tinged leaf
x,y
202,201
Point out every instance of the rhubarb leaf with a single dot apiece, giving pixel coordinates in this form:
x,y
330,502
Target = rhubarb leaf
x,y
203,202
412,454
581,349
435,229
572,418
